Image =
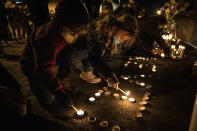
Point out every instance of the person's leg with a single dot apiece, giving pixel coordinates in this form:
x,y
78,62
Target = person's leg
x,y
40,90
8,80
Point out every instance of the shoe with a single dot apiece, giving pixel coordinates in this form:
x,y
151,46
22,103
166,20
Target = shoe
x,y
90,77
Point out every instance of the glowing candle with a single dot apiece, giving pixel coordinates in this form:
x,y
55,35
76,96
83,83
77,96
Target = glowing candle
x,y
100,91
140,66
154,70
135,63
142,84
142,75
132,100
137,82
91,99
107,93
124,97
127,93
139,115
142,108
148,86
147,94
105,88
116,95
125,78
143,103
80,112
97,94
162,55
145,98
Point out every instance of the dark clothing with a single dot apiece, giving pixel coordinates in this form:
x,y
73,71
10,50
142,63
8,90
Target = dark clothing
x,y
40,54
90,51
148,33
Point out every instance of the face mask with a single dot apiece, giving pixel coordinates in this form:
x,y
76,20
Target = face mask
x,y
116,40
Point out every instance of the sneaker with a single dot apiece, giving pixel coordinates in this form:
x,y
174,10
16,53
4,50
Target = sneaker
x,y
90,77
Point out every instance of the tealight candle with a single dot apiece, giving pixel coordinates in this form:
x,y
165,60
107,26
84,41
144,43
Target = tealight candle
x,y
153,70
143,103
115,128
91,99
135,63
142,108
80,112
139,115
125,78
145,98
124,97
97,94
107,93
142,75
140,66
105,88
148,86
132,100
147,94
100,91
116,95
142,84
162,55
137,82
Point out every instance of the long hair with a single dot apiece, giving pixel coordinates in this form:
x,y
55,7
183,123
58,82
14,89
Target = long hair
x,y
104,25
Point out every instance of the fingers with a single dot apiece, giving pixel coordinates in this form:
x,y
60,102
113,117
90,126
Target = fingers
x,y
115,86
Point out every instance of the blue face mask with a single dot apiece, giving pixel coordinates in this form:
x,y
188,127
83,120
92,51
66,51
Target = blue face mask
x,y
116,40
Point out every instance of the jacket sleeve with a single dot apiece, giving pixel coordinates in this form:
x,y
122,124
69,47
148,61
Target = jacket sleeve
x,y
45,59
96,59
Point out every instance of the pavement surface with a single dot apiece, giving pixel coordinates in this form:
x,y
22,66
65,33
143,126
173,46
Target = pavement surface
x,y
169,106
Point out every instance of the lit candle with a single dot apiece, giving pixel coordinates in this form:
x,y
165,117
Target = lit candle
x,y
107,93
162,55
91,99
148,86
125,78
132,100
116,95
140,66
100,91
143,103
154,70
80,112
127,93
137,82
97,94
105,88
142,84
147,94
139,115
124,97
135,63
142,75
142,108
145,98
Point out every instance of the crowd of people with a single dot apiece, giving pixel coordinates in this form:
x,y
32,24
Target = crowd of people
x,y
82,35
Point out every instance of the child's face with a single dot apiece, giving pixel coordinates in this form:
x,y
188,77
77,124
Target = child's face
x,y
123,36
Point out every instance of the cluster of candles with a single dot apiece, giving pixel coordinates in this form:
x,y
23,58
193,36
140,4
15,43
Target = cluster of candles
x,y
154,68
177,52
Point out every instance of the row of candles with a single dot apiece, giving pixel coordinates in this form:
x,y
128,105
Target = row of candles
x,y
126,94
